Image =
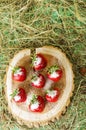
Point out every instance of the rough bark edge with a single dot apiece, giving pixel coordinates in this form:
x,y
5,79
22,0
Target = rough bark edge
x,y
46,122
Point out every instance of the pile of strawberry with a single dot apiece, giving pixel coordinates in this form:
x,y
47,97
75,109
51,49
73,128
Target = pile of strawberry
x,y
37,102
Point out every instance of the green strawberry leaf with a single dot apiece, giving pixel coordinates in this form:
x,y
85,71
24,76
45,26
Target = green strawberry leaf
x,y
48,91
34,77
52,69
34,99
15,69
33,57
16,92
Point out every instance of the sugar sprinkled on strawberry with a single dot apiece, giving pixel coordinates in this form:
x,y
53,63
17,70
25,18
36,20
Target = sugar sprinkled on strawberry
x,y
52,95
38,81
54,73
19,73
19,95
38,62
36,104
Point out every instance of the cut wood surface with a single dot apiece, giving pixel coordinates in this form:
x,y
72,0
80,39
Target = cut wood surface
x,y
52,110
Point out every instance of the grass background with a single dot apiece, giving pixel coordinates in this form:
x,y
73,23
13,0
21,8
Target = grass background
x,y
31,24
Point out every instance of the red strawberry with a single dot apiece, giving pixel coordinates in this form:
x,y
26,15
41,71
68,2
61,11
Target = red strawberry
x,y
52,95
19,95
38,62
54,73
38,81
19,74
36,104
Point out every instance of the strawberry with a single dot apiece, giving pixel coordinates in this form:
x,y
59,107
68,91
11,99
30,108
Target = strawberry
x,y
19,95
54,73
38,81
19,74
38,62
52,95
36,104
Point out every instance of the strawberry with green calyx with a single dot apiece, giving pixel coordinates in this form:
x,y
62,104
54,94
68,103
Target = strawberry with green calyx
x,y
36,103
52,95
54,73
38,62
19,95
38,81
19,73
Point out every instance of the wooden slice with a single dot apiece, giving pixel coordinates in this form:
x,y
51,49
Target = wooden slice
x,y
51,110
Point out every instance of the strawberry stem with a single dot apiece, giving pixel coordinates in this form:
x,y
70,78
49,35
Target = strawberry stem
x,y
15,69
34,99
34,77
48,91
52,69
33,57
16,92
